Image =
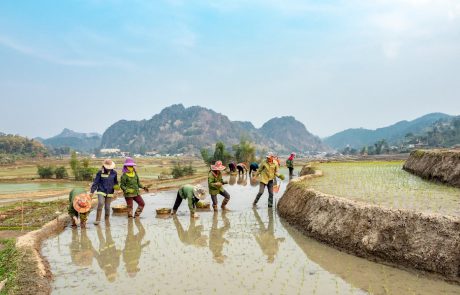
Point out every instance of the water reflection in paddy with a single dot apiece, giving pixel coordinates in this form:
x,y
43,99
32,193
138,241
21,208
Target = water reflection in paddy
x,y
244,251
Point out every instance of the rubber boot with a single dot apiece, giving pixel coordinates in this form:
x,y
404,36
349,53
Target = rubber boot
x,y
224,204
107,217
130,212
138,212
254,204
107,221
270,201
98,217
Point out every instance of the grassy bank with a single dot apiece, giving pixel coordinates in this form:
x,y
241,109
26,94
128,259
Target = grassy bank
x,y
9,258
30,215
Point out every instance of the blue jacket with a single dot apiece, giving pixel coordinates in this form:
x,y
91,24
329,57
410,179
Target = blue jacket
x,y
254,166
104,183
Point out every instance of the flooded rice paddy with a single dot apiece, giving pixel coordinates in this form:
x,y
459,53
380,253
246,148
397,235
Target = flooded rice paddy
x,y
10,188
245,251
386,184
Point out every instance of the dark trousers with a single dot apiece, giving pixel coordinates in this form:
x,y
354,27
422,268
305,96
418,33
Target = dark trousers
x,y
224,194
291,171
269,185
179,201
240,170
252,169
137,199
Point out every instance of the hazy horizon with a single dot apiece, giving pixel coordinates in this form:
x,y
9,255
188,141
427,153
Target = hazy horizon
x,y
186,106
85,64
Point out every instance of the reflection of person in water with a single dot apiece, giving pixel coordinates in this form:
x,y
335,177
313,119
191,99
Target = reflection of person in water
x,y
232,179
243,180
216,237
81,249
254,181
133,247
266,236
193,235
108,256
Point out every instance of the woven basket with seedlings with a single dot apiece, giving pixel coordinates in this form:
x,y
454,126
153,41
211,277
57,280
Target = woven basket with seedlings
x,y
203,205
163,211
120,209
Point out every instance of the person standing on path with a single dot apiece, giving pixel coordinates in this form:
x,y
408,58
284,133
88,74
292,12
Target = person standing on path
x,y
191,193
130,186
104,186
216,185
290,164
268,171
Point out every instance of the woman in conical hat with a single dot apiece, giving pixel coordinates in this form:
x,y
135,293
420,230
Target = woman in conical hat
x,y
79,206
191,193
104,186
268,171
130,185
216,185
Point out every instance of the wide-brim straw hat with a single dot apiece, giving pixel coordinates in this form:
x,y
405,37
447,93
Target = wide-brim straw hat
x,y
109,164
199,192
218,166
129,162
270,155
82,203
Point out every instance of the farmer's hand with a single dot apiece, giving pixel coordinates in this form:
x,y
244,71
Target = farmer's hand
x,y
146,189
218,184
195,215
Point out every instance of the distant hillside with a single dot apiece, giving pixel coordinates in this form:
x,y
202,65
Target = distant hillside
x,y
360,137
14,146
442,133
291,134
83,142
177,129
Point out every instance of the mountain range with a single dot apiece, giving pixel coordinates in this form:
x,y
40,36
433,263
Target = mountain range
x,y
177,129
84,142
393,134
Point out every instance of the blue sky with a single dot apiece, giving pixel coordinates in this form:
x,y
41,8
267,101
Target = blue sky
x,y
84,64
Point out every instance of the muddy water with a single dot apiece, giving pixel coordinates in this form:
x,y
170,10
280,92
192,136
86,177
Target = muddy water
x,y
244,251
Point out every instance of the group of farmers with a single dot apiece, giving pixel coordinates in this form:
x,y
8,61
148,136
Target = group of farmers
x,y
106,183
